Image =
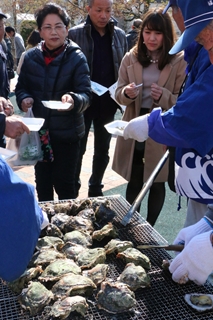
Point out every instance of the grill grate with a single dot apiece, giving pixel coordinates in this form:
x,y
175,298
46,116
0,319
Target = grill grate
x,y
163,300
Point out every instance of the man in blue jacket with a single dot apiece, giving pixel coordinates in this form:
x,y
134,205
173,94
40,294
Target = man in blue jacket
x,y
188,125
21,223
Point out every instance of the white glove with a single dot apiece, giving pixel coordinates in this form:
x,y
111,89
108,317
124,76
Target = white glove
x,y
186,234
195,261
137,129
45,220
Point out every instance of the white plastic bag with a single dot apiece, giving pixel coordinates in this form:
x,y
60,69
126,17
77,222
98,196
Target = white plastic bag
x,y
27,146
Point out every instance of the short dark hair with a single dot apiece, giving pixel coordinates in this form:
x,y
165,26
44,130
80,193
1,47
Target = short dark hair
x,y
34,38
137,23
51,8
9,29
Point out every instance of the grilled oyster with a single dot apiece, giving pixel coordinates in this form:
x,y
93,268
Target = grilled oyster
x,y
115,297
135,277
49,242
71,250
59,219
45,257
117,245
29,274
107,231
48,208
55,270
68,207
199,302
78,237
83,221
62,308
35,297
71,285
104,214
53,231
90,257
97,273
135,256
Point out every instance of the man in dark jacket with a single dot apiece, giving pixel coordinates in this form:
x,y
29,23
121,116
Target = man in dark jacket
x,y
104,45
132,35
55,70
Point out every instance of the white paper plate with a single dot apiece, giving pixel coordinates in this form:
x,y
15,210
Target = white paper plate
x,y
7,154
116,127
56,105
34,124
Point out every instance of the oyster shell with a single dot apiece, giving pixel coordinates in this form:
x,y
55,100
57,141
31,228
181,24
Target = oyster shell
x,y
49,242
68,207
117,245
98,273
53,231
55,270
29,274
45,257
59,219
83,221
135,277
71,285
35,297
104,214
78,237
107,231
135,256
199,301
71,250
90,257
115,297
62,308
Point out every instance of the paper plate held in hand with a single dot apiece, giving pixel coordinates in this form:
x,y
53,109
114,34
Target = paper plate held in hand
x,y
34,124
56,104
116,127
7,154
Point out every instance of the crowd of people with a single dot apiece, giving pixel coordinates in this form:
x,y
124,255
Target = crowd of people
x,y
172,108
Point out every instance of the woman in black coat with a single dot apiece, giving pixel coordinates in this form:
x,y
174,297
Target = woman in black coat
x,y
55,70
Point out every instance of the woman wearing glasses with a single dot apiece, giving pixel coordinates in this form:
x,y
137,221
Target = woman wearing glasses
x,y
55,70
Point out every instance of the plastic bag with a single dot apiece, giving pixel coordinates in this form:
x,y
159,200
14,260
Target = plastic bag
x,y
27,146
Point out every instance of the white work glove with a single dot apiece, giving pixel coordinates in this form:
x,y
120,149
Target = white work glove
x,y
45,220
186,234
195,261
137,129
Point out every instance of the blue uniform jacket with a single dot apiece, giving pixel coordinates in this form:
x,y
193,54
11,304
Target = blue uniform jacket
x,y
21,220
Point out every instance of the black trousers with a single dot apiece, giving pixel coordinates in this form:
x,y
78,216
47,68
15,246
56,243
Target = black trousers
x,y
101,154
59,174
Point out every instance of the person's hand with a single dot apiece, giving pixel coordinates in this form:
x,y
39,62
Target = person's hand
x,y
137,129
26,104
14,127
156,92
9,109
131,90
195,261
3,104
67,98
186,234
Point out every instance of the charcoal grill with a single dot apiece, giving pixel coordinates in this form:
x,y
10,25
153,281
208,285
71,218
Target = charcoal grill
x,y
163,300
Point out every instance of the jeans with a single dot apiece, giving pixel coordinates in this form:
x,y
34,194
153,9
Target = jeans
x,y
59,174
101,154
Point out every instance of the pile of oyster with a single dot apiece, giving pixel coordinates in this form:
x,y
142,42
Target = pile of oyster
x,y
67,269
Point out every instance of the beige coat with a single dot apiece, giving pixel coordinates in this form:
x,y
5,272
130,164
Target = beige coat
x,y
170,79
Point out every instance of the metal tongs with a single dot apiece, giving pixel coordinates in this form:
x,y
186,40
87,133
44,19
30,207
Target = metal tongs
x,y
126,219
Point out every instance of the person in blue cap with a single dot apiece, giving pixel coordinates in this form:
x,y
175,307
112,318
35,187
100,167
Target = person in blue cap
x,y
188,125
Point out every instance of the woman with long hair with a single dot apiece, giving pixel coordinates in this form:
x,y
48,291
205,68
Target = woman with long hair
x,y
161,74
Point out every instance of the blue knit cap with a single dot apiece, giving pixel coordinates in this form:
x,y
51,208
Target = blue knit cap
x,y
172,3
197,15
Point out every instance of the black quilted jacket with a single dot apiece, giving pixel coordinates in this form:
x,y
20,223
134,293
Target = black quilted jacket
x,y
67,73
